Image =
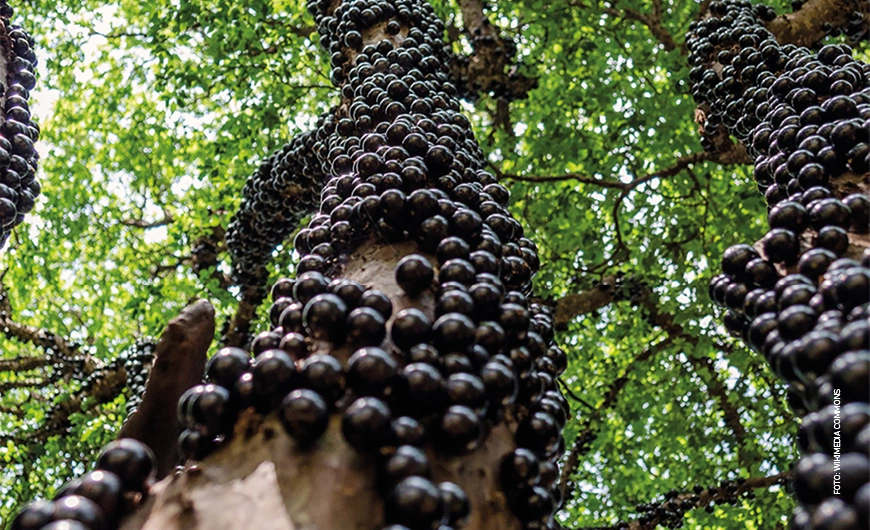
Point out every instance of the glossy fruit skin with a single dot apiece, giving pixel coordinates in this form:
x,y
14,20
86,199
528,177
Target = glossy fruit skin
x,y
414,274
539,432
453,332
811,475
305,416
735,259
423,390
295,344
457,507
67,524
324,317
519,469
371,371
834,514
325,375
366,327
500,382
414,502
532,504
131,461
210,408
459,430
377,301
410,327
468,390
227,365
81,509
193,444
366,424
274,375
103,488
407,461
34,516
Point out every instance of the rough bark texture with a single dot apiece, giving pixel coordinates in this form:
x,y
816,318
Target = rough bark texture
x,y
262,480
179,364
804,27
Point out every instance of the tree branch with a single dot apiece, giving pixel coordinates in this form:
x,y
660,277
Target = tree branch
x,y
804,27
205,255
716,389
24,383
587,435
23,364
178,365
675,506
673,332
142,223
12,411
561,178
38,337
652,21
32,335
489,68
101,387
237,331
573,305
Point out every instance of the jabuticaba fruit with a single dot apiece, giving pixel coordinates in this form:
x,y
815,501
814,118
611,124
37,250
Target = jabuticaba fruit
x,y
803,299
19,187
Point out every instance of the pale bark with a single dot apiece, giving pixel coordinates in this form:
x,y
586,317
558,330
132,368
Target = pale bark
x,y
262,480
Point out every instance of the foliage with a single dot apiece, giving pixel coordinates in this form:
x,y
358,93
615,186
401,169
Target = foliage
x,y
154,113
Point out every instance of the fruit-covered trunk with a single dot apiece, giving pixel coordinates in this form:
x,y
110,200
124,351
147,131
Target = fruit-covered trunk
x,y
407,380
801,295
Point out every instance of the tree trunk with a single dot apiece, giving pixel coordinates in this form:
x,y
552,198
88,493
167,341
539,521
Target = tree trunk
x,y
262,480
260,477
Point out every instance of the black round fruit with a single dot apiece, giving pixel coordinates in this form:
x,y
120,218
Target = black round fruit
x,y
81,509
227,365
457,507
305,416
324,317
274,375
411,326
407,461
366,424
414,502
132,461
34,516
459,429
414,274
371,371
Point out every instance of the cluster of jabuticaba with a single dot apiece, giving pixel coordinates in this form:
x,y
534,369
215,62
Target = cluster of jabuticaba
x,y
18,159
800,295
418,354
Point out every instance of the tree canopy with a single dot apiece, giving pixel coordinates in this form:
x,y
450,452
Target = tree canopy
x,y
153,115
